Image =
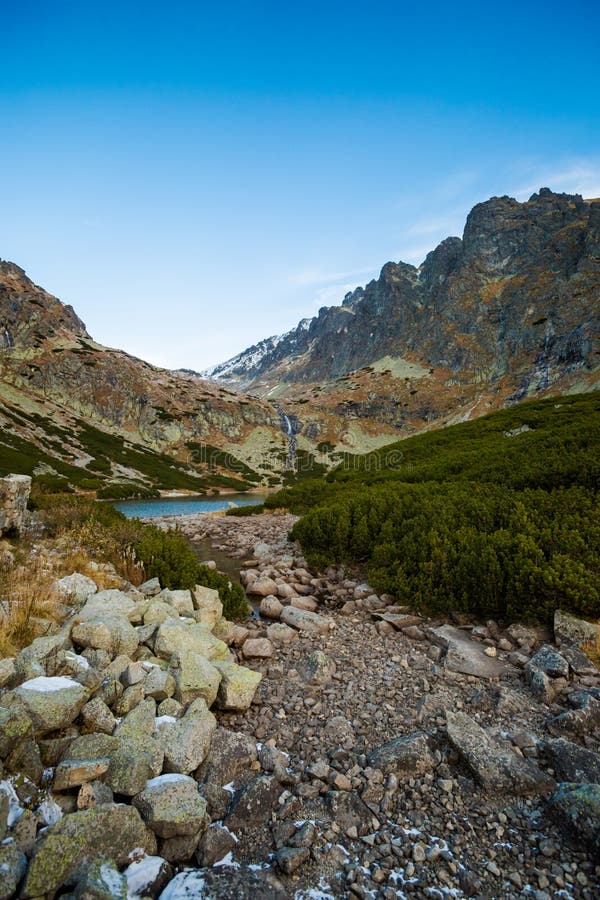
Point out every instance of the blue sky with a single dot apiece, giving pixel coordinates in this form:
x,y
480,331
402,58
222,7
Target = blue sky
x,y
194,178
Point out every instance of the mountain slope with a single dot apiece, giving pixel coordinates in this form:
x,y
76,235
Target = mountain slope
x,y
97,415
512,306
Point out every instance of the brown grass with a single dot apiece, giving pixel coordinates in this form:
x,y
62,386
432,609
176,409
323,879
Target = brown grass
x,y
592,650
25,595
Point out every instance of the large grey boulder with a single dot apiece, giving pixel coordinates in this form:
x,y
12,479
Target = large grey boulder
x,y
577,809
304,620
262,587
253,804
570,630
571,762
13,865
194,677
464,654
208,605
65,850
495,767
238,686
106,631
51,703
44,656
408,755
102,881
171,806
232,754
75,588
186,741
177,637
224,884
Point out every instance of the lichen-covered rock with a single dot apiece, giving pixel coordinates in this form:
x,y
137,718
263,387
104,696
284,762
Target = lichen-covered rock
x,y
253,804
223,884
304,620
102,881
171,806
51,703
258,648
147,877
577,809
571,630
13,864
262,587
238,686
194,677
15,726
159,684
270,607
208,606
231,754
496,768
112,633
186,741
44,656
65,850
75,588
317,668
158,612
175,637
279,633
408,755
216,842
181,601
571,762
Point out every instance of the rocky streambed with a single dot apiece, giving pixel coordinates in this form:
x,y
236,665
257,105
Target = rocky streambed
x,y
336,746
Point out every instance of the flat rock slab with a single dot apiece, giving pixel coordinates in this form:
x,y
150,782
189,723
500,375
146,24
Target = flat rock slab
x,y
398,620
496,768
464,654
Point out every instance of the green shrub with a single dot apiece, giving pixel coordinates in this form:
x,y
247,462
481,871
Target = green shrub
x,y
250,510
484,517
168,556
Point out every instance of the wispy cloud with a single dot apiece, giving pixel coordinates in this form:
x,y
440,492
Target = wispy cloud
x,y
311,277
576,176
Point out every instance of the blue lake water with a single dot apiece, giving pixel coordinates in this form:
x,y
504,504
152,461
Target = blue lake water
x,y
184,506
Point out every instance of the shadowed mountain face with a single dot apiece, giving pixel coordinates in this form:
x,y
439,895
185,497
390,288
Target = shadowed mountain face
x,y
513,305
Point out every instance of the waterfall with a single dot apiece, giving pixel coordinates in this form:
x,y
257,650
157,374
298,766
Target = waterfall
x,y
290,427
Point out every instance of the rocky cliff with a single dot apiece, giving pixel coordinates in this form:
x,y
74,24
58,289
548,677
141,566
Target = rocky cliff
x,y
66,401
512,307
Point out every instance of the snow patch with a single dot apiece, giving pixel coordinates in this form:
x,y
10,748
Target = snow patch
x,y
48,685
169,778
141,874
187,885
227,860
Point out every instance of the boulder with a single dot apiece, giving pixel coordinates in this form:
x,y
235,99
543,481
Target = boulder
x,y
159,684
15,726
44,656
101,881
279,633
231,755
179,600
51,703
186,741
65,850
208,606
13,865
72,773
549,661
317,668
224,883
307,603
258,648
216,842
238,686
253,804
270,607
408,755
147,877
307,621
176,637
158,612
262,587
150,588
171,806
75,588
576,807
112,633
495,767
570,630
194,677
464,654
571,762
111,602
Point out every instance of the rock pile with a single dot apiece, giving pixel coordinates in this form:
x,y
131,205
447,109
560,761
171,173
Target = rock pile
x,y
375,756
109,749
14,494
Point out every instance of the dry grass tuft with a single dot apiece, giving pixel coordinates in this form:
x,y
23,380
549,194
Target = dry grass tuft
x,y
592,650
25,599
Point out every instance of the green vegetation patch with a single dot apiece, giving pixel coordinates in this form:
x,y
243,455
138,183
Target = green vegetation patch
x,y
496,517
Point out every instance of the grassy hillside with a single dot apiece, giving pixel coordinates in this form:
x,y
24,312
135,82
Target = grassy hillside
x,y
498,516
